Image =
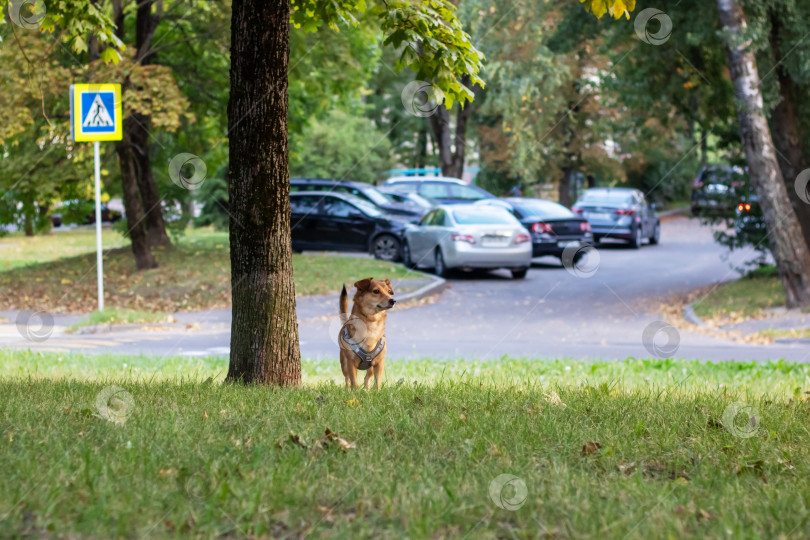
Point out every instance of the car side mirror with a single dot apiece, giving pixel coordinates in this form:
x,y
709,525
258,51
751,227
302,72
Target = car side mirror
x,y
654,206
356,215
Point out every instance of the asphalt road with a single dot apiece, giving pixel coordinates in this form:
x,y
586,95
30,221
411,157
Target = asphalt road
x,y
601,313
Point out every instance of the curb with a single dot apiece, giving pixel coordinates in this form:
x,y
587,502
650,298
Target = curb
x,y
107,328
692,317
435,287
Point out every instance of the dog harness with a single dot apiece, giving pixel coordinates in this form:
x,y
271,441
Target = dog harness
x,y
365,356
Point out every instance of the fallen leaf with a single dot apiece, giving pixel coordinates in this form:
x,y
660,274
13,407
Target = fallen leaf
x,y
353,403
167,472
331,438
589,448
554,399
205,415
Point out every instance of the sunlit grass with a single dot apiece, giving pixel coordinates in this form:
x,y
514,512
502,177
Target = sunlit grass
x,y
102,446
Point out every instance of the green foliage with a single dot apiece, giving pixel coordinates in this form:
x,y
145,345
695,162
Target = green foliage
x,y
427,32
341,145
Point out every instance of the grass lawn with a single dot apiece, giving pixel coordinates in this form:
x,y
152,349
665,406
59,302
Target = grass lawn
x,y
745,297
192,275
633,449
18,250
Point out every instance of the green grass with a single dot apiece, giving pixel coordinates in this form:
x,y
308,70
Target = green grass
x,y
118,316
195,458
192,275
780,333
17,250
747,296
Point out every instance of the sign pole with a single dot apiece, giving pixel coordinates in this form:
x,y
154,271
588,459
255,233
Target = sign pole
x,y
96,115
99,263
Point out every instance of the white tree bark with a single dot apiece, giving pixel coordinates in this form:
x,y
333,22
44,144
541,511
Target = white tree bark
x,y
784,231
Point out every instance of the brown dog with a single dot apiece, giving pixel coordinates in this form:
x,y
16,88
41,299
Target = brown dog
x,y
362,336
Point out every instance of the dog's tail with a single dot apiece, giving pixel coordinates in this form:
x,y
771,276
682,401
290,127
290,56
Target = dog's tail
x,y
344,306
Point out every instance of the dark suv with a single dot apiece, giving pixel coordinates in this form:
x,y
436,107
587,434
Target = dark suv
x,y
716,190
367,192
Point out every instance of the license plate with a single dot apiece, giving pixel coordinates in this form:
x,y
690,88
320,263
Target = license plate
x,y
494,241
569,243
598,215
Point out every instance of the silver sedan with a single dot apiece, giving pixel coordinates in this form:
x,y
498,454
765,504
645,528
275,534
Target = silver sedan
x,y
468,236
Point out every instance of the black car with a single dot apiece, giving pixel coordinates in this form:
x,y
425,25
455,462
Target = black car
x,y
441,189
323,220
622,213
716,190
552,226
84,214
362,190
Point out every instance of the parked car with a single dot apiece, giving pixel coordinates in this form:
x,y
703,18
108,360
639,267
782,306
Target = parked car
x,y
442,189
87,209
409,198
716,190
468,236
619,213
553,227
323,220
359,189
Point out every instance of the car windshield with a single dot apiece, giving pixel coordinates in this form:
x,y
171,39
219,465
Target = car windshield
x,y
544,209
376,196
482,216
367,207
606,197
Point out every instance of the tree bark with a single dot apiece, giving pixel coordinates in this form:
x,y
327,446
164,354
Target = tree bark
x,y
786,132
564,189
145,25
264,329
132,201
451,154
784,232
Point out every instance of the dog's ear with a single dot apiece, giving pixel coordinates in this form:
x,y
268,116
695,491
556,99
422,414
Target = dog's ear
x,y
388,282
364,284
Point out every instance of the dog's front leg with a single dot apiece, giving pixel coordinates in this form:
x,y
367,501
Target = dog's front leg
x,y
378,373
353,375
367,378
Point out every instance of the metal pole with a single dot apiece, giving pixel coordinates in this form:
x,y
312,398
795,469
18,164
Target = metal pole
x,y
99,264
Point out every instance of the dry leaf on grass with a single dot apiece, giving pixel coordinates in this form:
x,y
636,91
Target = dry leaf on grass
x,y
554,399
330,438
589,448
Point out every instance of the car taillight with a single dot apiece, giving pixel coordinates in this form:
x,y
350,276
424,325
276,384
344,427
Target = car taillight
x,y
625,212
456,237
747,207
584,226
541,227
576,210
521,238
740,207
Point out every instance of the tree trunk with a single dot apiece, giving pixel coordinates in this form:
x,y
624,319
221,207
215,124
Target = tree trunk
x,y
786,132
145,25
139,139
451,153
784,232
264,331
128,161
28,215
421,148
564,189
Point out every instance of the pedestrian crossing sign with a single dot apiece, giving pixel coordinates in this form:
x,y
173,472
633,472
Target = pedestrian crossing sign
x,y
95,112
